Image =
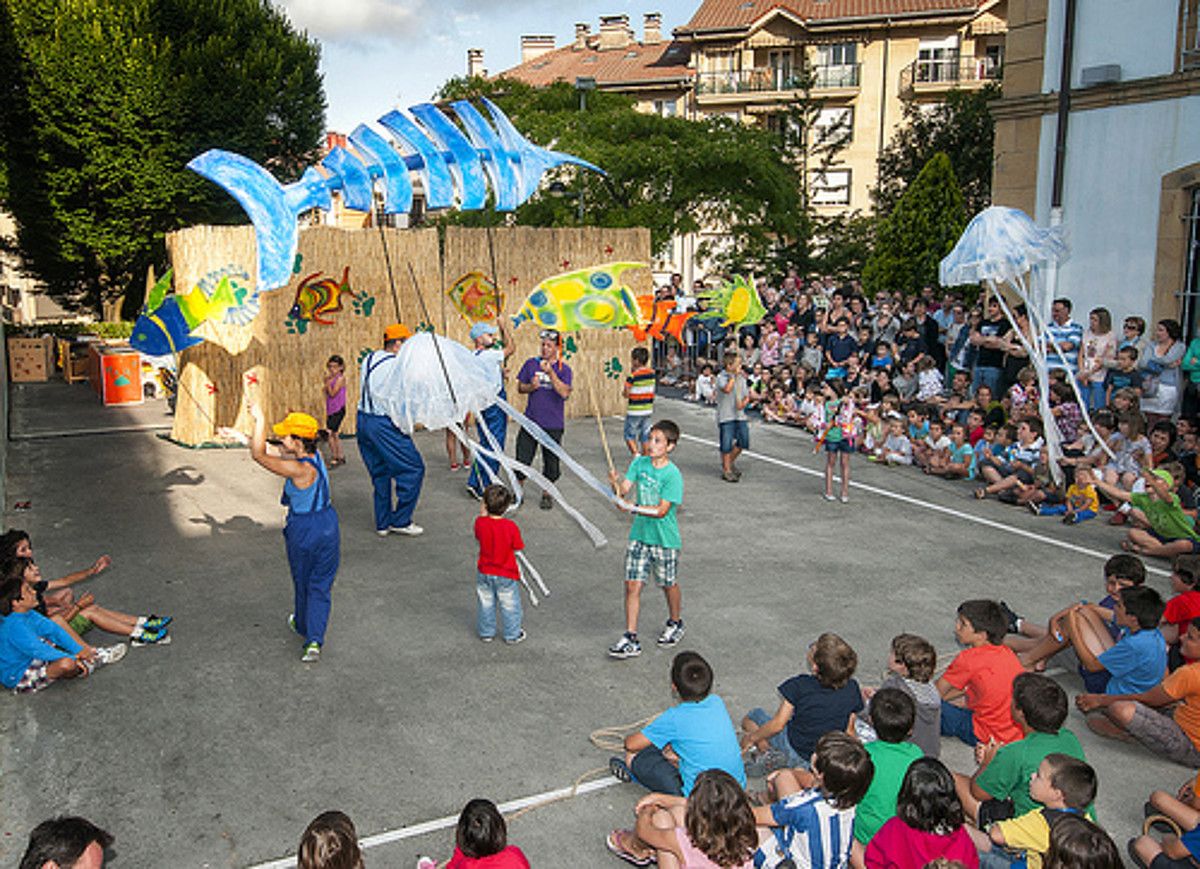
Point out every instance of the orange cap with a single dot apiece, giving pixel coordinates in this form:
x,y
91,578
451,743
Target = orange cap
x,y
300,425
396,332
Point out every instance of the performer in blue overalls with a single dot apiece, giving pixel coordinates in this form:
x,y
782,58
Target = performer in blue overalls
x,y
484,337
390,455
311,535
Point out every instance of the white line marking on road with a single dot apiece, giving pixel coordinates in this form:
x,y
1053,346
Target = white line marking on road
x,y
928,505
397,835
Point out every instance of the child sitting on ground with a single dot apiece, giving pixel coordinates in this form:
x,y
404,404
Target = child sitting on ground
x,y
1081,501
896,448
705,389
713,828
928,825
893,714
1134,663
929,379
911,665
497,577
329,842
976,688
811,823
690,737
1185,604
1161,526
480,841
34,651
1000,786
1063,785
1178,851
810,705
780,408
1022,398
926,450
1132,452
957,460
1024,458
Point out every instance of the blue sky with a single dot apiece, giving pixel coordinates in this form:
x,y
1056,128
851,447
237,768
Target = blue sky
x,y
377,54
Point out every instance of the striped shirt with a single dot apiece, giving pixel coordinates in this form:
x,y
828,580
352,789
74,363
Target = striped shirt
x,y
811,831
641,392
1069,333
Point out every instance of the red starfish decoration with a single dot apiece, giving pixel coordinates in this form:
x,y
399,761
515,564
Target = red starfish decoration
x,y
251,379
608,249
514,280
212,388
566,264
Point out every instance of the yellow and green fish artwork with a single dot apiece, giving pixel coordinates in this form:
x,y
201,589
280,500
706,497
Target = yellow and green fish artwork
x,y
166,323
590,298
476,297
736,302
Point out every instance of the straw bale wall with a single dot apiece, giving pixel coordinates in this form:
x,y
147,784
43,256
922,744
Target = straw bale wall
x,y
285,357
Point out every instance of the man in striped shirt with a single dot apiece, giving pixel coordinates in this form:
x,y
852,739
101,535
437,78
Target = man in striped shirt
x,y
639,391
1067,333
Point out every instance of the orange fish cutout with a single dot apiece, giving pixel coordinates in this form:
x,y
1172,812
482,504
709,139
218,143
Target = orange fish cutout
x,y
660,319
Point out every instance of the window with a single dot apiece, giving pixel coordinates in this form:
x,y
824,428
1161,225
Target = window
x,y
937,59
838,54
831,187
665,108
841,118
779,61
1189,34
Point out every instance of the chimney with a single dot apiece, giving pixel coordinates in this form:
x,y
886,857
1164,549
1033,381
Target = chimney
x,y
535,46
475,63
582,32
614,32
652,28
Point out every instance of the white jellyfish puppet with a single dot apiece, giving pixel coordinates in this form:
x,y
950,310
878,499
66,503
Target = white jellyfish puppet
x,y
436,382
1003,246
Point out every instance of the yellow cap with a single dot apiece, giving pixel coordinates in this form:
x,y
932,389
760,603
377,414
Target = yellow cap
x,y
300,425
396,331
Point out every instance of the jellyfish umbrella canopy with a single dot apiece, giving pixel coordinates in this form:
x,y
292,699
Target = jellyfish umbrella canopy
x,y
1000,245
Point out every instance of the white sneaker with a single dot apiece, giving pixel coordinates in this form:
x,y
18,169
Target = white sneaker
x,y
383,532
111,654
426,863
412,529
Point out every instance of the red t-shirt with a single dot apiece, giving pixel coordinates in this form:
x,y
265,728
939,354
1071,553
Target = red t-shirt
x,y
986,674
1182,608
510,858
498,539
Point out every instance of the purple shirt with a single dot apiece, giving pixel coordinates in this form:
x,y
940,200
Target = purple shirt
x,y
337,401
545,406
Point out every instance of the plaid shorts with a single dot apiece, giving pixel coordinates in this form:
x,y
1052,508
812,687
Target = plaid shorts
x,y
35,678
643,559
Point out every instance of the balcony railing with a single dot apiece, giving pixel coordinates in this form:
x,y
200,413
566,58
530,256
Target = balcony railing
x,y
770,79
947,73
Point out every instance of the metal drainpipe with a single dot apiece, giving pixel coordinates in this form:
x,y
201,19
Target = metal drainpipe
x,y
1060,142
887,41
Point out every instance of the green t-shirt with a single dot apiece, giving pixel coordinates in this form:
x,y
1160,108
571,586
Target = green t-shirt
x,y
651,486
891,761
1167,520
1007,776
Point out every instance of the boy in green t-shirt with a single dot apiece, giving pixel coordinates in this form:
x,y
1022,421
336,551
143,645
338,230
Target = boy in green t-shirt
x,y
654,538
893,714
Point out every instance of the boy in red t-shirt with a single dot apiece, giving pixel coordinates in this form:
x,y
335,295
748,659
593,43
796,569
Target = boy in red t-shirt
x,y
976,688
1185,605
496,583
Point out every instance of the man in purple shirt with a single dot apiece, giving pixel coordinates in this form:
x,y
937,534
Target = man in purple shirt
x,y
547,381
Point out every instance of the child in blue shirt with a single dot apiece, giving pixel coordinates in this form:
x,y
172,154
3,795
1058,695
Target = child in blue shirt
x,y
812,822
690,737
1134,663
34,651
809,706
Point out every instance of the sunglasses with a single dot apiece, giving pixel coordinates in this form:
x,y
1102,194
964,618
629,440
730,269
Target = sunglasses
x,y
548,335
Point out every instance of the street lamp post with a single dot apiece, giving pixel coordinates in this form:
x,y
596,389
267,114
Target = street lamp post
x,y
583,84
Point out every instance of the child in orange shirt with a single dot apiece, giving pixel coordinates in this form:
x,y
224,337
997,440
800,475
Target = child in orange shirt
x,y
976,688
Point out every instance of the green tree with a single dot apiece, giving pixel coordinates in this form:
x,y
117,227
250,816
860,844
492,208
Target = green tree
x,y
961,127
103,102
671,175
922,228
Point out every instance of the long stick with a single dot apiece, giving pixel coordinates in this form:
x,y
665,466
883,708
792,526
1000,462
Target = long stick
x,y
495,277
387,260
437,347
600,425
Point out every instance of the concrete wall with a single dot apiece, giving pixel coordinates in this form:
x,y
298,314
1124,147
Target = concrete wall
x,y
1116,160
1140,36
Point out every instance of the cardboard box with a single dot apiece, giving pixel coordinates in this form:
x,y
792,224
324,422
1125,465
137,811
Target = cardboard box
x,y
30,360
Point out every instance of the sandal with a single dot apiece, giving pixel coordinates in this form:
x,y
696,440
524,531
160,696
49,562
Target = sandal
x,y
614,844
980,493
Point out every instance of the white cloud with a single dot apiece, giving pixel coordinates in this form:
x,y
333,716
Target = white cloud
x,y
350,20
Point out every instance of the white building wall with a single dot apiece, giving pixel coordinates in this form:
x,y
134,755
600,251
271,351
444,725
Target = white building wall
x,y
1115,161
1137,34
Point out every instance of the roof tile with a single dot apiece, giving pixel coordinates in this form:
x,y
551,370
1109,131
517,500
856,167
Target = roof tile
x,y
634,63
733,14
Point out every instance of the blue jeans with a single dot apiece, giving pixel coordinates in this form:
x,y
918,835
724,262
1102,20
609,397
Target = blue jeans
x,y
779,741
989,377
654,772
1093,394
734,432
957,721
496,421
492,592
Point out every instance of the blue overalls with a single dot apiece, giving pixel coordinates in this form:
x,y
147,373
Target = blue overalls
x,y
496,420
390,455
313,544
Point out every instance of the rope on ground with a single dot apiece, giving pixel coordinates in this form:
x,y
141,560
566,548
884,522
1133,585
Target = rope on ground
x,y
607,739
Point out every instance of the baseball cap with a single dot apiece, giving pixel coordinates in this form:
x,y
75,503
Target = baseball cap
x,y
300,425
396,331
481,329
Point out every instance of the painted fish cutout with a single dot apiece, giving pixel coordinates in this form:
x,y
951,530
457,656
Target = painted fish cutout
x,y
736,302
476,297
659,319
591,298
315,299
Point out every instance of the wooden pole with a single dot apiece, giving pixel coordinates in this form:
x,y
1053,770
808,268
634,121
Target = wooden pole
x,y
600,425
